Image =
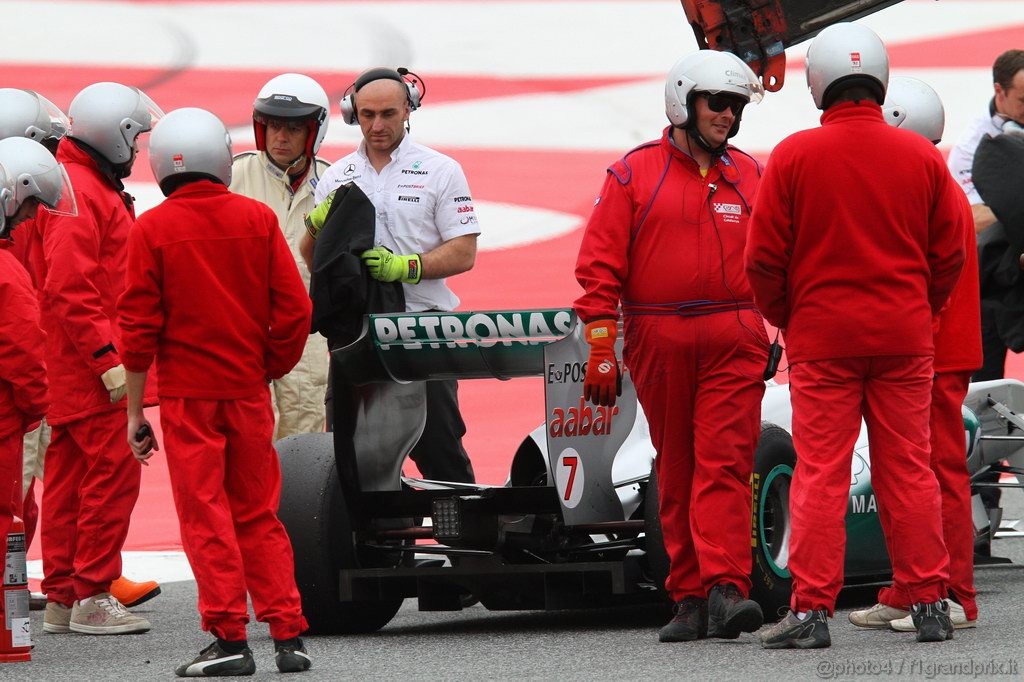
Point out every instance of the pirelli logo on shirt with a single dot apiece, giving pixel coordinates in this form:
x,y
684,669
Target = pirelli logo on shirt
x,y
410,199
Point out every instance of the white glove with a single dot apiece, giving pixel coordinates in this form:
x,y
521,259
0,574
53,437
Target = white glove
x,y
116,382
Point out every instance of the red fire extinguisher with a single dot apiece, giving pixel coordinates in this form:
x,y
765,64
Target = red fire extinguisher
x,y
15,636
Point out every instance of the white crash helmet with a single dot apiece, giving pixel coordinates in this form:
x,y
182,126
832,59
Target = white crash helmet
x,y
25,113
712,72
913,104
850,54
33,173
109,116
292,96
190,140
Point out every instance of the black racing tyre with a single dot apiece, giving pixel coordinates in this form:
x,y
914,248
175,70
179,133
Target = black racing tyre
x,y
654,538
313,512
774,460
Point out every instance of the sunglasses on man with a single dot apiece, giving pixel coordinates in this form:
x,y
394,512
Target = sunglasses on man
x,y
719,103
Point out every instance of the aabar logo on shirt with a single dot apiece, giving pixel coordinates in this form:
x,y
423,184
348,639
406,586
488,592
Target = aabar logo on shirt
x,y
465,209
730,209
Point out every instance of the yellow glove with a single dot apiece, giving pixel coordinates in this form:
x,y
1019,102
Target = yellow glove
x,y
116,382
388,267
315,220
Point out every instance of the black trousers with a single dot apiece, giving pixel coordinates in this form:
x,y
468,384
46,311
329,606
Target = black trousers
x,y
992,346
439,453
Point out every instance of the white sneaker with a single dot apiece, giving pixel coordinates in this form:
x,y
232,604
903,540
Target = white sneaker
x,y
877,617
56,618
956,615
104,615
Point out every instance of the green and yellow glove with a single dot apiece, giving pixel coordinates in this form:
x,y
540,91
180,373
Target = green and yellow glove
x,y
386,266
315,220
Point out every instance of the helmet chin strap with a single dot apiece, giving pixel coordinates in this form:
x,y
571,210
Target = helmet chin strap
x,y
691,130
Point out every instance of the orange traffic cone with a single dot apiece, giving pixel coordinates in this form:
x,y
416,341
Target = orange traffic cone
x,y
15,634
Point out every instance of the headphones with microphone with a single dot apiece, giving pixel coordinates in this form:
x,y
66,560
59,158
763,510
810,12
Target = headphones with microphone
x,y
410,80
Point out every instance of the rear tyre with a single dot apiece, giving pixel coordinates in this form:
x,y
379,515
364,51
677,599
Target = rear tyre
x,y
774,461
313,512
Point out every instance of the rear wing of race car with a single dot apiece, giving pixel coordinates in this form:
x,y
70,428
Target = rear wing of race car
x,y
759,31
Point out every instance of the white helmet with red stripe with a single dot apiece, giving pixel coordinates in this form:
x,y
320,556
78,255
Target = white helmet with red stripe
x,y
190,141
292,97
844,55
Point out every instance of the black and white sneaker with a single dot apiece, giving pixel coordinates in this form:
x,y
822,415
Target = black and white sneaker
x,y
793,633
291,656
932,621
213,661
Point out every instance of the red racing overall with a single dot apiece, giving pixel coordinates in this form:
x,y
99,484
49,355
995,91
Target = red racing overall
x,y
668,244
92,480
854,245
957,355
24,397
213,294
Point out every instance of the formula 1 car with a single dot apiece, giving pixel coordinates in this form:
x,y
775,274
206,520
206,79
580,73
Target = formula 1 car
x,y
576,524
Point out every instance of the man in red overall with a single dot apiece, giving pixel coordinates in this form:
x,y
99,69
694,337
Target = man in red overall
x,y
855,244
913,105
213,294
92,481
666,240
29,177
25,113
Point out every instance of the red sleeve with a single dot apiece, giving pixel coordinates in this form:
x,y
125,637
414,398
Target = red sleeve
x,y
945,240
603,262
22,343
140,309
290,307
71,247
770,246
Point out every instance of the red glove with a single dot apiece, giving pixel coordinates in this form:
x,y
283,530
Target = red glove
x,y
603,380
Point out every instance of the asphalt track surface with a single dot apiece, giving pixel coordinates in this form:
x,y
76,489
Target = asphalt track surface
x,y
607,644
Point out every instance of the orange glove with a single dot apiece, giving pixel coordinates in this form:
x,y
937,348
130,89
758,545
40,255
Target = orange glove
x,y
603,380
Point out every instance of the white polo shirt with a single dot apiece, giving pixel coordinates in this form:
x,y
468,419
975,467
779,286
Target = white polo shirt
x,y
961,157
422,200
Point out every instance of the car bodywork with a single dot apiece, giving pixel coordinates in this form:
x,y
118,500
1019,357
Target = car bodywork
x,y
576,522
